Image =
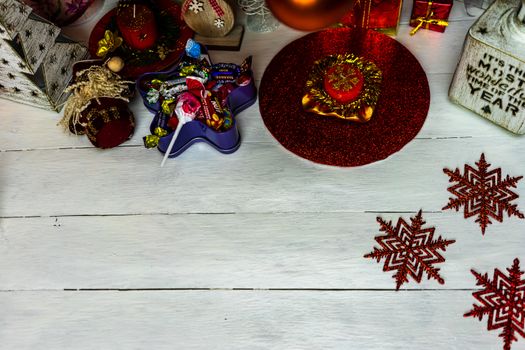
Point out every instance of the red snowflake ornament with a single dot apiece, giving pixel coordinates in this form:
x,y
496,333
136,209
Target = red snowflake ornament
x,y
409,249
483,193
503,301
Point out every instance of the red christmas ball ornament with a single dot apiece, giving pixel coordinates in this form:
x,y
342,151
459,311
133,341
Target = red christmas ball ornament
x,y
110,122
137,25
309,14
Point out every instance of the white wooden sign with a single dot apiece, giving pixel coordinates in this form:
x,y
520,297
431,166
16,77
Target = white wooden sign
x,y
490,77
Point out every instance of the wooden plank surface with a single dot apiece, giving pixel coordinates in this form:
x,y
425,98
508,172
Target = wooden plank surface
x,y
242,320
276,251
288,233
260,177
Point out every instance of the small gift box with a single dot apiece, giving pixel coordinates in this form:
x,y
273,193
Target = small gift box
x,y
380,15
431,15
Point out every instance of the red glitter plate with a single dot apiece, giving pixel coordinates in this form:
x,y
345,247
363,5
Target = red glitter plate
x,y
399,114
133,71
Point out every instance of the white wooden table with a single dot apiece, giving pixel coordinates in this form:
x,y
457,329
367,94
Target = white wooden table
x,y
255,250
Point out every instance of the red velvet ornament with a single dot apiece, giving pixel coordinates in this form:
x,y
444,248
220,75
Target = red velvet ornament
x,y
110,122
399,115
309,14
137,26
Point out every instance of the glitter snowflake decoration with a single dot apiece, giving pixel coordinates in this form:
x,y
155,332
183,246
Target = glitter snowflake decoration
x,y
409,249
483,193
503,302
196,6
218,22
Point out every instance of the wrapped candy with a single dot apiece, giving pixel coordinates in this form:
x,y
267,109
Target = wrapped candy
x,y
172,88
193,49
228,119
222,92
188,105
225,72
153,96
158,89
168,106
195,91
152,141
211,108
186,111
196,71
193,55
245,76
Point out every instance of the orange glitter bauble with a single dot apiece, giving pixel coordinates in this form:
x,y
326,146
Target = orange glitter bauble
x,y
309,14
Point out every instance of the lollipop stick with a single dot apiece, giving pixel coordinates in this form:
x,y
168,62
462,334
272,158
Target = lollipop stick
x,y
172,142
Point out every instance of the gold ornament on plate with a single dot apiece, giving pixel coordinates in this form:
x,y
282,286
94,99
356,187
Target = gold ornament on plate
x,y
109,43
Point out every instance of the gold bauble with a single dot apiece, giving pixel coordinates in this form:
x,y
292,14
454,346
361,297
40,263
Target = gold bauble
x,y
115,64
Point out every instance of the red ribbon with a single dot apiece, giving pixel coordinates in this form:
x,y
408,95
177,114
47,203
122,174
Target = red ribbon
x,y
216,7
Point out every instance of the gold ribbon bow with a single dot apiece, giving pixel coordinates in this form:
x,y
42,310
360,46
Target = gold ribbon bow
x,y
428,20
109,43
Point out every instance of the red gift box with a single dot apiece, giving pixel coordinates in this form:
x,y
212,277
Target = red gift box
x,y
430,15
381,15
